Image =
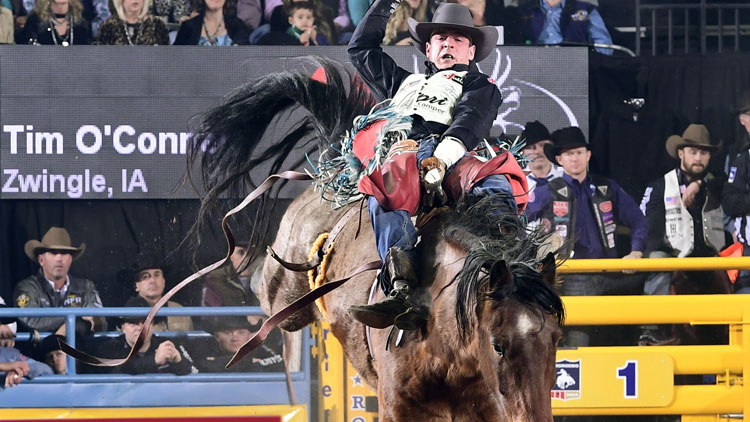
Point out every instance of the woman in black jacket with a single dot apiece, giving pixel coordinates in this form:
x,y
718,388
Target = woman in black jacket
x,y
216,24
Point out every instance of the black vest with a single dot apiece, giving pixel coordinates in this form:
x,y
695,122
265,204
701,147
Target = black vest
x,y
562,213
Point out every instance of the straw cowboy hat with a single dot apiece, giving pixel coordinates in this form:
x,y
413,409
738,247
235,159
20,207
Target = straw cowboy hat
x,y
458,17
56,238
694,136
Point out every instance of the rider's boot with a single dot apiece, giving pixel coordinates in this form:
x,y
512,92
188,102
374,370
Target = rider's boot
x,y
400,308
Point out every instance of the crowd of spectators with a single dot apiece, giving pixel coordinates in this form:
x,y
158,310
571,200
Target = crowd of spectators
x,y
277,22
173,345
690,211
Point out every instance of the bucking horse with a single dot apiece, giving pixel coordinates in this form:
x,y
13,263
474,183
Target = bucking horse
x,y
487,351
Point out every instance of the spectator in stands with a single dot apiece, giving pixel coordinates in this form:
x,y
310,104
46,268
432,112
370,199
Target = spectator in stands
x,y
48,351
302,24
56,22
14,366
8,327
536,136
53,287
6,26
149,283
157,355
232,285
230,334
397,29
684,214
558,21
132,25
172,11
495,13
541,169
250,12
94,11
736,194
216,24
585,209
277,15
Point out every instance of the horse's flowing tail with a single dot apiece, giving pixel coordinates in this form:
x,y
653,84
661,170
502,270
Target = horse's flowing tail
x,y
230,139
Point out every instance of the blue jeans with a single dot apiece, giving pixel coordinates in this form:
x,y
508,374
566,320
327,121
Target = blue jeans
x,y
395,228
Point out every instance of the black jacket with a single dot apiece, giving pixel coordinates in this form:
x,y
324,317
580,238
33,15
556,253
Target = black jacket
x,y
473,114
36,292
736,196
144,363
36,31
190,31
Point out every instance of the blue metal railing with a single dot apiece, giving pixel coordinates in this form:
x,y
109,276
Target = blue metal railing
x,y
71,314
301,378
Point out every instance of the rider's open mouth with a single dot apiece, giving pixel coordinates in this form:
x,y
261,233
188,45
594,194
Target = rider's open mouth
x,y
447,56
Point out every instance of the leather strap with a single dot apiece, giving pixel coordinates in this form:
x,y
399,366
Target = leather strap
x,y
293,307
148,324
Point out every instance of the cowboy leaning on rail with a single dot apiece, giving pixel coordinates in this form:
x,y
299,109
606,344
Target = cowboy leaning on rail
x,y
452,107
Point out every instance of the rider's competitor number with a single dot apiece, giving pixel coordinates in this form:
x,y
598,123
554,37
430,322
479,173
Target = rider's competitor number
x,y
614,379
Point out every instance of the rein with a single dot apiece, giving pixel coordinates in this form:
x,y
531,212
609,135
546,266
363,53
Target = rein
x,y
267,326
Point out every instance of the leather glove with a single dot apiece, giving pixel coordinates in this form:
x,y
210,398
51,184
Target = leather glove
x,y
432,172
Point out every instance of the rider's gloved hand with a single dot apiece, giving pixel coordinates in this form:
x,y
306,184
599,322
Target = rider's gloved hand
x,y
432,172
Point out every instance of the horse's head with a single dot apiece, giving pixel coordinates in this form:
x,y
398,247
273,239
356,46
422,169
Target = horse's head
x,y
508,312
521,314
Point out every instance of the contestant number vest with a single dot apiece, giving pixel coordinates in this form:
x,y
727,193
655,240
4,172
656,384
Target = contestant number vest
x,y
563,210
680,229
431,98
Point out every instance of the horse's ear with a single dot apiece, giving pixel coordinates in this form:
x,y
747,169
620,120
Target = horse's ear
x,y
548,268
499,274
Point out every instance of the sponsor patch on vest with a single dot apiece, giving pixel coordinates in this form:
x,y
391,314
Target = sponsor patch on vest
x,y
23,300
602,189
562,230
568,380
580,15
72,301
606,206
560,208
611,240
732,173
563,191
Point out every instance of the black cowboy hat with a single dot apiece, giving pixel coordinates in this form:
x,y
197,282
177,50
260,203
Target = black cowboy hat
x,y
535,132
563,140
48,344
694,136
458,17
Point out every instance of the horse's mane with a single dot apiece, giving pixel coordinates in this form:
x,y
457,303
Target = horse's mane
x,y
490,232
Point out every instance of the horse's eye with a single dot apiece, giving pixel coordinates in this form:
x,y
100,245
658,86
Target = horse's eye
x,y
498,349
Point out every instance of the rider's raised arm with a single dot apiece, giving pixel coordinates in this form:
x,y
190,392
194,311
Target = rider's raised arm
x,y
475,111
377,69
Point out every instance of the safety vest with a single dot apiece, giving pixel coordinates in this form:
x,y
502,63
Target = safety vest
x,y
563,211
433,98
679,228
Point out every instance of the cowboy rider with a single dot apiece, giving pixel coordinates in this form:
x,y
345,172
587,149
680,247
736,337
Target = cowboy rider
x,y
453,107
